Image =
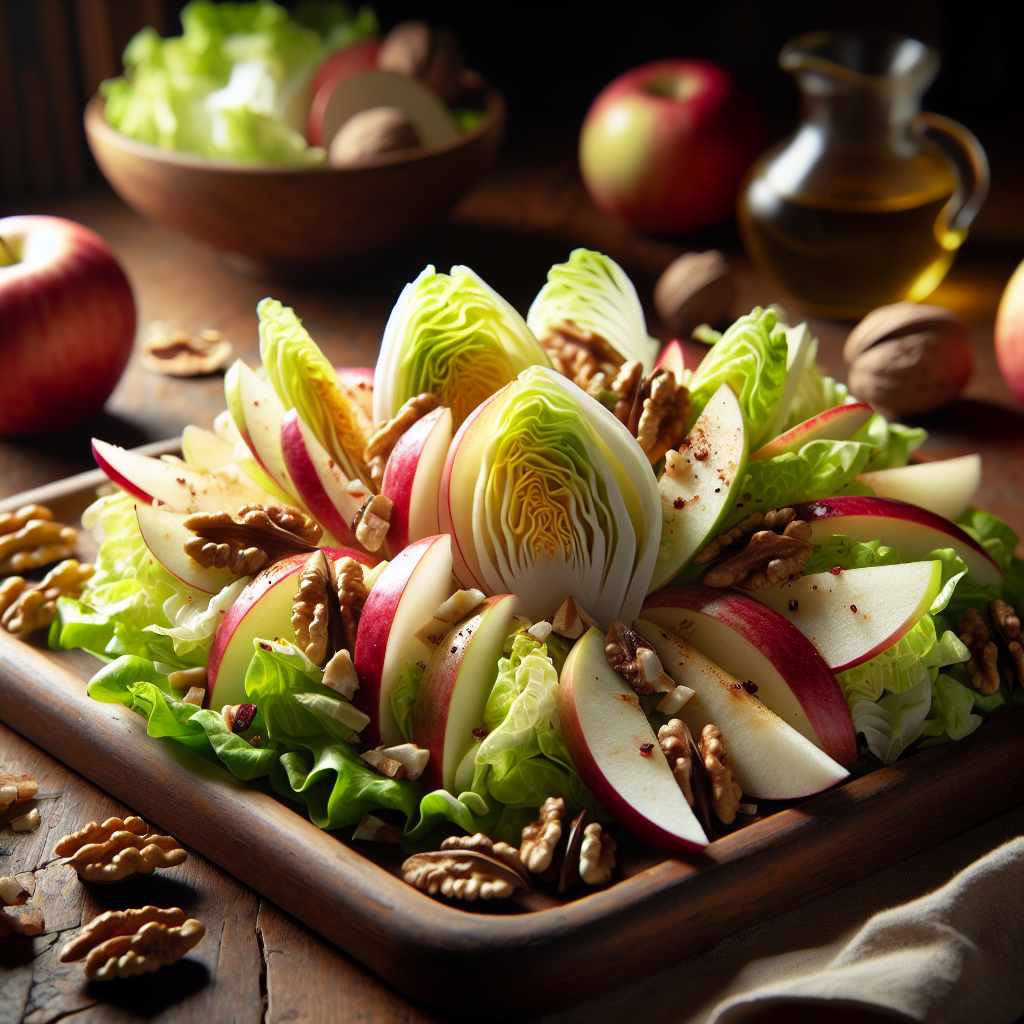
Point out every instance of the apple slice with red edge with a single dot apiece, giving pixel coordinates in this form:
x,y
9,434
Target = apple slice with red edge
x,y
317,478
617,754
175,485
911,530
263,610
412,478
699,483
165,536
458,680
359,381
945,487
415,583
838,424
771,760
854,614
339,66
678,356
756,644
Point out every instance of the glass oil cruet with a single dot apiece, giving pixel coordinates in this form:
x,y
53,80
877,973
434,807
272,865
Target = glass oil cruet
x,y
868,202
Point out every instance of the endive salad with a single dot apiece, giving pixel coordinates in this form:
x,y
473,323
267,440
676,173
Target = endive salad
x,y
535,559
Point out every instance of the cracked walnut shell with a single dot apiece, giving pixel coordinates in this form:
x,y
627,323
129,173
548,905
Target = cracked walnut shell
x,y
118,849
123,943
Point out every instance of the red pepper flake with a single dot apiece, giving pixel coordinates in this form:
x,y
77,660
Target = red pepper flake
x,y
479,733
750,686
645,749
701,455
718,490
454,649
678,503
836,570
794,604
853,608
266,646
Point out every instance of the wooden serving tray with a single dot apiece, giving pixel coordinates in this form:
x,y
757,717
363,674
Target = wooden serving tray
x,y
514,958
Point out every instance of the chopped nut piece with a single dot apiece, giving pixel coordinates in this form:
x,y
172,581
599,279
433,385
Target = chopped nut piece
x,y
28,822
627,384
35,604
540,631
1006,626
15,788
625,651
246,543
768,559
187,679
196,695
371,523
540,838
179,354
571,621
24,921
97,833
382,443
387,766
373,830
12,891
340,675
597,855
725,793
125,852
462,874
677,465
414,758
983,666
585,358
35,544
675,699
120,944
455,609
238,717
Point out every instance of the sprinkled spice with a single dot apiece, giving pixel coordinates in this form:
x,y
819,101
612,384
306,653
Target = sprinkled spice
x,y
645,749
836,570
794,604
454,649
678,503
853,608
750,687
479,733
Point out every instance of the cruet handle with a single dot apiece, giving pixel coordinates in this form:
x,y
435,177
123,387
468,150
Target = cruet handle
x,y
964,151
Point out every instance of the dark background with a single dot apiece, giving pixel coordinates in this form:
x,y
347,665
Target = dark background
x,y
549,58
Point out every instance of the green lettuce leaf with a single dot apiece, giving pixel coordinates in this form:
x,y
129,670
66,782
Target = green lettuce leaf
x,y
848,553
403,697
995,536
893,442
894,722
952,711
594,294
453,335
751,358
815,392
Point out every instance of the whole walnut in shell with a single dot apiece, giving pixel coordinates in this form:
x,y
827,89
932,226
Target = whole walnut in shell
x,y
415,49
907,358
696,288
372,133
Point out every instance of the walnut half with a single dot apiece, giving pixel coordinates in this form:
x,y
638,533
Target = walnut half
x,y
467,868
118,849
635,660
540,838
27,607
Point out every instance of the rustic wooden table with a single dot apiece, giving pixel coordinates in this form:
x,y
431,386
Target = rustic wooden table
x,y
257,963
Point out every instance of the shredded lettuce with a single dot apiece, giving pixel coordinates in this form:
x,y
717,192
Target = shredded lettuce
x,y
751,358
893,442
594,294
894,722
952,712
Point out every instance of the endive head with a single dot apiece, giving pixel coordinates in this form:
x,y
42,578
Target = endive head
x,y
548,496
593,293
454,335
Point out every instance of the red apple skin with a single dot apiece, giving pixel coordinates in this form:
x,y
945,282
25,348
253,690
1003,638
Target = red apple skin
x,y
606,795
400,476
665,146
339,67
118,478
67,324
1010,333
374,629
248,598
808,676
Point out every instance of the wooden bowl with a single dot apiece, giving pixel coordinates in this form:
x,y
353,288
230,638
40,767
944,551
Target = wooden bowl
x,y
296,223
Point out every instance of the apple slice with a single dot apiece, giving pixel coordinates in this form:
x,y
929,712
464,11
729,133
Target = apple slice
x,y
618,755
263,610
680,356
412,478
414,585
165,537
771,760
359,381
204,450
455,686
754,643
946,487
852,615
838,424
339,66
699,482
317,478
911,530
176,486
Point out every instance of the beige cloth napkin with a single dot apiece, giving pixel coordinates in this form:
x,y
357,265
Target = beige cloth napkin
x,y
954,953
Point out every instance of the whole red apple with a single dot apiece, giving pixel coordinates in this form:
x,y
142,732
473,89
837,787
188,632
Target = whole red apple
x,y
1010,333
665,146
67,323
